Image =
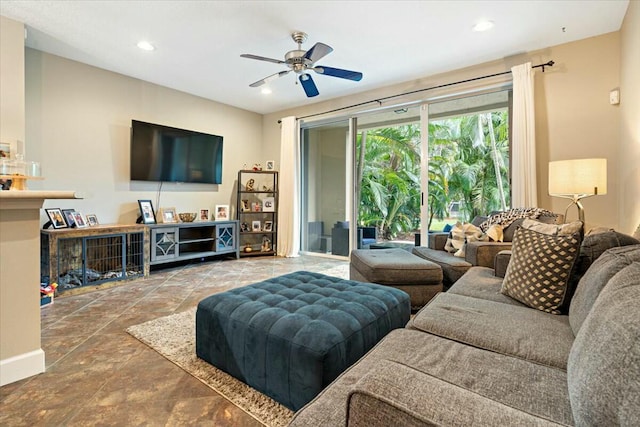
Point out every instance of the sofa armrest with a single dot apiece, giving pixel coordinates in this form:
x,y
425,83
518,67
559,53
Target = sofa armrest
x,y
482,253
501,262
395,394
438,240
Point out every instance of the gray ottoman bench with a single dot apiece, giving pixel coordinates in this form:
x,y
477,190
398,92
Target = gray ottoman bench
x,y
290,336
398,268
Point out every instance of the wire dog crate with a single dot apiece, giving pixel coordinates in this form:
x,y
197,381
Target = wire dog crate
x,y
76,258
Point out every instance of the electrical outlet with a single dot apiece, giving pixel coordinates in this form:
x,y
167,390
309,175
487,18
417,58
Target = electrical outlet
x,y
614,97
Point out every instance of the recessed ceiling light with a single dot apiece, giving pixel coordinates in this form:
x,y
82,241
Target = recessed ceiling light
x,y
265,91
483,26
145,45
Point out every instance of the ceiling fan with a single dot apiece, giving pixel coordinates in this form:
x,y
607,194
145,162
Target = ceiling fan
x,y
300,62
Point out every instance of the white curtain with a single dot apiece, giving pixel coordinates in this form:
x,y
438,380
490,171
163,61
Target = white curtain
x,y
289,204
523,141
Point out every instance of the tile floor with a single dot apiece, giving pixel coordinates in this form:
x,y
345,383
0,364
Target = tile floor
x,y
97,374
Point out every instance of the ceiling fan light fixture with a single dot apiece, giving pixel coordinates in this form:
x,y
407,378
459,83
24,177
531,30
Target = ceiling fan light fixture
x,y
483,26
145,45
266,91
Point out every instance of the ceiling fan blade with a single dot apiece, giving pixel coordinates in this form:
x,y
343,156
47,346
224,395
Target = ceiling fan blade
x,y
271,77
261,58
338,72
308,85
317,51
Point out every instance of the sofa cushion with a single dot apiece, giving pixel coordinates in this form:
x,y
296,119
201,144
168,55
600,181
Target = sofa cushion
x,y
506,329
452,267
597,241
481,282
553,229
591,284
395,266
604,364
394,395
538,390
540,269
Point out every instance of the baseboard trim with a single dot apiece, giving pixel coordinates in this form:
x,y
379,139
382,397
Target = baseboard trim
x,y
22,366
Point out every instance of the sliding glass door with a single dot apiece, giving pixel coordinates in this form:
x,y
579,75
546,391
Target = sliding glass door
x,y
325,188
390,176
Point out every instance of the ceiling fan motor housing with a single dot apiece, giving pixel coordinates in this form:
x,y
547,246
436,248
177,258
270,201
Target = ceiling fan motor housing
x,y
296,61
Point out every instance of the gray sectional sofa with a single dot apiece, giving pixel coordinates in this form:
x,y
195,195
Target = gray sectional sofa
x,y
474,356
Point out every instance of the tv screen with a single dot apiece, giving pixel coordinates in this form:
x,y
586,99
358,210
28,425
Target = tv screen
x,y
162,153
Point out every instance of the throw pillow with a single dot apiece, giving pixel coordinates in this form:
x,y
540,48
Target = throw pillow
x,y
495,233
455,241
540,268
460,235
553,229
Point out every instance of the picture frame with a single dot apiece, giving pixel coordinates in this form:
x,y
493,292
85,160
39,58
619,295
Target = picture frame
x,y
79,220
268,226
222,212
68,216
244,227
147,213
168,215
203,215
269,204
256,226
245,205
56,218
256,207
270,165
92,220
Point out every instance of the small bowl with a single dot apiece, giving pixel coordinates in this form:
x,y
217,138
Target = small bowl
x,y
187,216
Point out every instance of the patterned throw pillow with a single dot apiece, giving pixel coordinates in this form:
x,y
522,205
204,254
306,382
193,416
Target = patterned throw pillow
x,y
553,229
460,235
540,269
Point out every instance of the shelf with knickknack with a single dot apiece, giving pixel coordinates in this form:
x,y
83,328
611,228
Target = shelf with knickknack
x,y
257,208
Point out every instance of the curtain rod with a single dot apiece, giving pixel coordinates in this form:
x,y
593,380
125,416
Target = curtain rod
x,y
380,100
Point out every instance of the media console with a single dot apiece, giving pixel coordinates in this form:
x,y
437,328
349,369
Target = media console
x,y
190,240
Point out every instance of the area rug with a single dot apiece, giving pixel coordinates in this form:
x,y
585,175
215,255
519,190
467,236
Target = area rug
x,y
174,337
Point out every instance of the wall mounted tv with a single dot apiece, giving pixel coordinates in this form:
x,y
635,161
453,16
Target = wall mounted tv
x,y
162,153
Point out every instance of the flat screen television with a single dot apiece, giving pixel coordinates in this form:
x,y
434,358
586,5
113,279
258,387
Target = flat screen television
x,y
163,153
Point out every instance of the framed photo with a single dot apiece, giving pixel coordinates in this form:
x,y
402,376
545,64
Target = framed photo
x,y
269,204
68,216
92,220
245,227
79,220
245,205
203,215
146,212
270,165
56,218
169,215
222,212
256,226
268,226
256,207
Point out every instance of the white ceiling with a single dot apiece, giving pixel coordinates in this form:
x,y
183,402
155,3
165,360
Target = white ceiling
x,y
198,43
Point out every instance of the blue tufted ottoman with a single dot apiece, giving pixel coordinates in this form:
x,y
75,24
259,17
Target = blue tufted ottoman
x,y
290,336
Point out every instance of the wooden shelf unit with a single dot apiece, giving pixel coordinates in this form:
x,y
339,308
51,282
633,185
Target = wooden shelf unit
x,y
265,195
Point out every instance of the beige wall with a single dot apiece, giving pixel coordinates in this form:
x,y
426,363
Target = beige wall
x,y
78,127
573,115
629,165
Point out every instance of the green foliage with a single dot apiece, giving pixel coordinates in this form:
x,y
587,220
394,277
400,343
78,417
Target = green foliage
x,y
464,165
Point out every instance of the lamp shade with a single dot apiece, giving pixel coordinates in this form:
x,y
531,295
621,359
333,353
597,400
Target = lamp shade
x,y
580,177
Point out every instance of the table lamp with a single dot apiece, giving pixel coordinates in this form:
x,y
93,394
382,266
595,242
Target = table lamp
x,y
577,179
